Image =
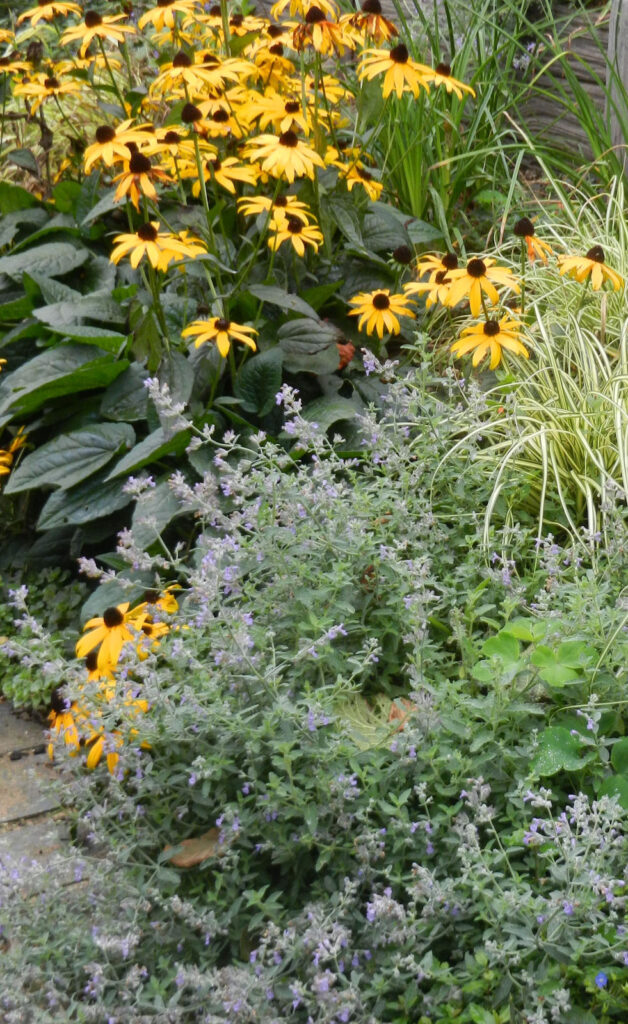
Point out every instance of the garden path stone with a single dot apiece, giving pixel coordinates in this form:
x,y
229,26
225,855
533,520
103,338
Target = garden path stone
x,y
24,787
16,732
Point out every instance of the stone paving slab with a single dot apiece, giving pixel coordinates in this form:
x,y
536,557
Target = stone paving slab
x,y
17,733
37,840
25,787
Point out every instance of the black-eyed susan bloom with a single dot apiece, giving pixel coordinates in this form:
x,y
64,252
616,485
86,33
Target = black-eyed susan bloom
x,y
7,455
43,87
490,338
293,230
435,289
287,206
159,249
225,173
46,10
284,154
524,229
163,15
137,180
114,145
378,311
325,34
441,75
356,174
370,21
97,26
593,266
221,331
110,632
478,278
401,73
63,723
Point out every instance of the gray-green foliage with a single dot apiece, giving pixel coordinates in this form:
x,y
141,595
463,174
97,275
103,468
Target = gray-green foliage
x,y
359,872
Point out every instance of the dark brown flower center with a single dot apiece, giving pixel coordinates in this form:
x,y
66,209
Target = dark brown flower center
x,y
288,139
372,7
190,114
281,201
314,15
236,20
292,106
58,702
450,261
105,133
276,49
274,31
441,277
146,232
210,60
215,11
443,69
139,164
181,60
148,629
216,164
112,617
402,254
172,138
294,225
524,228
91,661
596,254
92,19
381,301
220,116
476,268
51,83
164,3
491,328
221,324
399,54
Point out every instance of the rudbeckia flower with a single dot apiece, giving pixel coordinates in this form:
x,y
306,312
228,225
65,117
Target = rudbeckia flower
x,y
42,87
97,26
160,250
151,635
137,180
286,206
282,112
478,277
524,229
284,154
292,229
224,172
370,20
401,74
592,265
378,311
164,14
358,175
441,75
222,331
7,455
47,10
299,8
436,288
63,725
490,337
111,632
326,36
113,145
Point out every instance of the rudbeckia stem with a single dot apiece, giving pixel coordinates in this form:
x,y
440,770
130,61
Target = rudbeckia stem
x,y
523,277
111,75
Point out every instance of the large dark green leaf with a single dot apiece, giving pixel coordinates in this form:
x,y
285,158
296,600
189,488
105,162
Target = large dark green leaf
x,y
279,297
52,259
154,510
127,399
70,458
309,346
64,370
12,222
89,500
178,373
152,448
101,308
259,381
13,197
326,411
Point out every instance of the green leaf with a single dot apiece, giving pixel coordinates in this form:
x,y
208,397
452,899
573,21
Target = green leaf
x,y
101,308
70,458
383,230
318,295
259,381
550,668
13,197
309,346
126,399
11,223
619,756
23,158
151,449
104,205
153,511
422,233
558,751
114,592
285,300
481,1016
111,341
51,290
616,785
17,308
527,630
178,373
327,411
343,213
89,500
59,371
66,195
504,646
52,259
